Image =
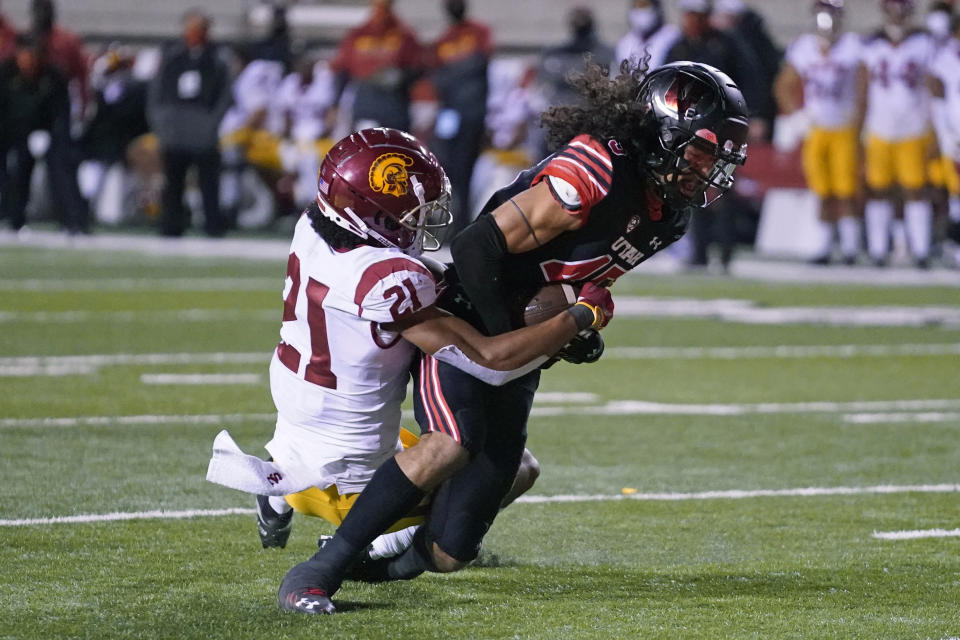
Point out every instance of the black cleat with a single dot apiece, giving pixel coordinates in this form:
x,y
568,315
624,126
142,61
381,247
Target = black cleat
x,y
274,528
312,601
301,592
820,261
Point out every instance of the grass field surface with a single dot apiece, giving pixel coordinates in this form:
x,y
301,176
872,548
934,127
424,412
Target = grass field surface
x,y
788,469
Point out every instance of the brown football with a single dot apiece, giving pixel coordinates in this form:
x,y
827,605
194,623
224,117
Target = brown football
x,y
549,301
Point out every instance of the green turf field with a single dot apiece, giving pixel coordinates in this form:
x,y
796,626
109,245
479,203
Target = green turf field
x,y
712,538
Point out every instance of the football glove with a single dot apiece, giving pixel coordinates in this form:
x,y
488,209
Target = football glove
x,y
594,307
586,347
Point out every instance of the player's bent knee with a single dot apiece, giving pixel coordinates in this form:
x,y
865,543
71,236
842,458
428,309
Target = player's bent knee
x,y
444,562
432,460
528,472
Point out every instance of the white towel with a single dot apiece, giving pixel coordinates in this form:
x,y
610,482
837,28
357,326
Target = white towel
x,y
233,468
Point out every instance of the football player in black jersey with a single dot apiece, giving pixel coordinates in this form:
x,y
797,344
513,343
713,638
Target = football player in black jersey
x,y
634,160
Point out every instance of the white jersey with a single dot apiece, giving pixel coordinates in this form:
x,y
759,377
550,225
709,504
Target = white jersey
x,y
253,89
337,378
898,102
306,105
829,78
946,67
635,47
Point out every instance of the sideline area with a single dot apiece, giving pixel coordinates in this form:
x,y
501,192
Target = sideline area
x,y
746,265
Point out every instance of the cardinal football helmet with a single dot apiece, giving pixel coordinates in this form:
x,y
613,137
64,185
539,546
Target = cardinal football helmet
x,y
386,187
693,109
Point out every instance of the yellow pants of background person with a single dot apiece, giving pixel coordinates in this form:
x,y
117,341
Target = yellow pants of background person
x,y
943,174
903,162
333,507
830,162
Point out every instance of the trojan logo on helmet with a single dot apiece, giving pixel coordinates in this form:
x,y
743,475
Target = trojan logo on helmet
x,y
388,174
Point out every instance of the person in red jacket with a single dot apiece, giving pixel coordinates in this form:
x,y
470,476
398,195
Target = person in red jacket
x,y
378,61
458,71
8,39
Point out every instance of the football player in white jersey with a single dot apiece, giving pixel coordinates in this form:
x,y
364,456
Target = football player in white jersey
x,y
898,136
944,84
357,304
824,69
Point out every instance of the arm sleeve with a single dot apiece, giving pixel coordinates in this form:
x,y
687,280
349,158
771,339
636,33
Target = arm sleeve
x,y
451,355
478,254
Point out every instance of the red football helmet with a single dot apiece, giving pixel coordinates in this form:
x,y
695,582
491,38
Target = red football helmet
x,y
385,186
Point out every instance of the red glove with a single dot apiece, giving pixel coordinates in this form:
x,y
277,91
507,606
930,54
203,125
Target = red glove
x,y
600,304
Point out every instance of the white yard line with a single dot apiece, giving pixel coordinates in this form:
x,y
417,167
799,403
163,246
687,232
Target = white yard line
x,y
918,416
98,421
140,284
613,408
747,311
733,494
640,407
745,266
739,494
200,378
841,351
181,315
66,365
132,515
917,534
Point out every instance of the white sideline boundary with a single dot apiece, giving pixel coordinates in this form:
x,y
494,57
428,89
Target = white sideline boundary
x,y
917,534
85,364
746,266
903,412
734,494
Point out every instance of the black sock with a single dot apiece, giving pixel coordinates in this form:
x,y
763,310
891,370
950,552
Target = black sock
x,y
388,497
412,562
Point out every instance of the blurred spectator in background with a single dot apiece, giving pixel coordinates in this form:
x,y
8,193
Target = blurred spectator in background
x,y
748,27
306,96
821,82
251,131
276,45
897,125
458,71
187,99
650,35
944,83
119,115
8,38
376,63
33,97
64,50
559,63
700,41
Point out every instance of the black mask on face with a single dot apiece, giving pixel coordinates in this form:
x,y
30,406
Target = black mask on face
x,y
456,10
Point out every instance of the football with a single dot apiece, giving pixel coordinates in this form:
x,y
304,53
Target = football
x,y
548,302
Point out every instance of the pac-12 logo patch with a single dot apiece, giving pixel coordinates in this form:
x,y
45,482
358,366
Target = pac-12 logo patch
x,y
388,174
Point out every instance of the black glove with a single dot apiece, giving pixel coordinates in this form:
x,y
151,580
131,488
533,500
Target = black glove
x,y
586,347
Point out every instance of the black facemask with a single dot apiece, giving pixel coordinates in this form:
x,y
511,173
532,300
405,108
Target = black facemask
x,y
456,11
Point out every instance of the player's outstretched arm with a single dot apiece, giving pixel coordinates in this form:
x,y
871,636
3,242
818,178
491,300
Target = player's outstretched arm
x,y
499,359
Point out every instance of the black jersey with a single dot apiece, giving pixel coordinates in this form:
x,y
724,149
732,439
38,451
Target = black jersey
x,y
625,223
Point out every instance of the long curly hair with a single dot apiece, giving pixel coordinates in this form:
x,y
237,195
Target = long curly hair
x,y
333,234
608,108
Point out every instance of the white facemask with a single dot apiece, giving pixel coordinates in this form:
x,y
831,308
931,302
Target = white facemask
x,y
642,20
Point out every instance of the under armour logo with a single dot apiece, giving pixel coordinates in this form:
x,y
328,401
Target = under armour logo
x,y
274,478
655,243
305,603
